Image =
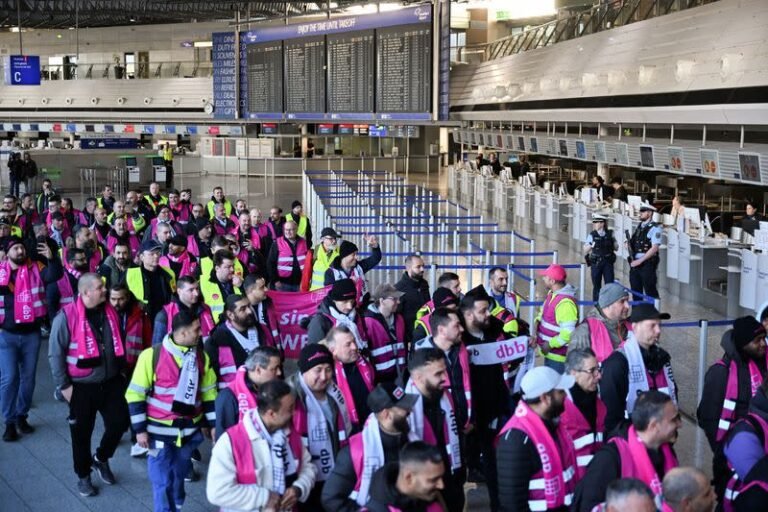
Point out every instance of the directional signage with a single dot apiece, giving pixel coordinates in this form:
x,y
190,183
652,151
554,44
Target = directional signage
x,y
22,70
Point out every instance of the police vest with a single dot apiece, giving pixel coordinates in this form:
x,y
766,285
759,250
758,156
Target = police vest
x,y
602,247
639,242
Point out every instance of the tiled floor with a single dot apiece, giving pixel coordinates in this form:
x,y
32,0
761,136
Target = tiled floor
x,y
36,472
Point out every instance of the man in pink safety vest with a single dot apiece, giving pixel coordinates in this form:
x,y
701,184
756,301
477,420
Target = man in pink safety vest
x,y
286,260
643,451
380,442
556,319
354,374
259,464
606,325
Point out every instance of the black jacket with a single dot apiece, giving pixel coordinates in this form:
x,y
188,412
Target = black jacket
x,y
221,337
295,277
227,410
614,385
604,469
384,494
517,460
756,496
365,265
490,394
716,381
416,295
343,478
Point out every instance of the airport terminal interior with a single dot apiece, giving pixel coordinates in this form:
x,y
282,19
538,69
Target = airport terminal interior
x,y
473,134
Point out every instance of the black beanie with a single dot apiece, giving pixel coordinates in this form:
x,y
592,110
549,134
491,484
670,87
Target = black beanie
x,y
745,329
313,355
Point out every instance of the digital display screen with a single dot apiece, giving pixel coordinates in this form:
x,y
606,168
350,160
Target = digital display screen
x,y
269,129
325,129
346,129
377,131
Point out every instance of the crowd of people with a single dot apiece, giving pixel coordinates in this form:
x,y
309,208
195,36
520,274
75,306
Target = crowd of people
x,y
161,320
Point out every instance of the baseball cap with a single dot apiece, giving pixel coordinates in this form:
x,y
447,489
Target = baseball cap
x,y
389,394
555,271
385,290
329,232
642,312
542,380
151,246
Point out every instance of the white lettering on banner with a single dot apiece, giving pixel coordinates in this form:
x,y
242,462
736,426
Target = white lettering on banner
x,y
498,352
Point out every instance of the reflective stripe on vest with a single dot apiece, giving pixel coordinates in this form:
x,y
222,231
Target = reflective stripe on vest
x,y
285,256
322,263
301,228
160,398
213,297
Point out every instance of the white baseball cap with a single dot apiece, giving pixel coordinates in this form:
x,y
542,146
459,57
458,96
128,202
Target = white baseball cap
x,y
543,380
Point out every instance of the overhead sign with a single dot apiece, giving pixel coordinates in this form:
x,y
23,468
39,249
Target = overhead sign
x,y
22,70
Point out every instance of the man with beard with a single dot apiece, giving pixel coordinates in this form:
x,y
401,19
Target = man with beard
x,y
644,451
448,281
385,432
249,242
178,259
28,216
606,325
338,308
433,419
199,241
323,255
21,317
115,267
506,304
275,222
260,464
353,373
414,287
107,199
85,239
413,484
233,339
164,218
729,385
650,364
535,456
62,292
220,283
100,225
87,355
255,288
138,209
320,411
152,285
186,298
220,221
218,198
584,415
119,234
489,408
386,333
262,365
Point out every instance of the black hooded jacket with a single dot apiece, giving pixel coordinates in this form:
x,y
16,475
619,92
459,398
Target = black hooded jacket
x,y
384,493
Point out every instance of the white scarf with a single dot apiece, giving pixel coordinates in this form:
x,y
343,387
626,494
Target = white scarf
x,y
249,343
320,444
189,373
638,380
373,453
416,422
283,461
349,322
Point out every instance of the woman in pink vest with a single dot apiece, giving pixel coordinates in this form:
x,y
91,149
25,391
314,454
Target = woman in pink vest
x,y
385,330
260,464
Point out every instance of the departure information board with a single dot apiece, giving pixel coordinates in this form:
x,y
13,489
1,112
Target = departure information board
x,y
404,69
305,76
350,72
265,79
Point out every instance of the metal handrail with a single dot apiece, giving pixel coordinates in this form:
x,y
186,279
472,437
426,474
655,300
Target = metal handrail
x,y
598,18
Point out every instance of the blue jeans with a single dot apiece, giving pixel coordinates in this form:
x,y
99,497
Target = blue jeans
x,y
555,365
167,470
18,364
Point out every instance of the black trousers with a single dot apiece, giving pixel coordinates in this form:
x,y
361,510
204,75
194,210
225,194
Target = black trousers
x,y
168,174
108,399
643,279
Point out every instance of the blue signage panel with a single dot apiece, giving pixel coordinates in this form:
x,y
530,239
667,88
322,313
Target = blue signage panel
x,y
108,143
22,70
419,14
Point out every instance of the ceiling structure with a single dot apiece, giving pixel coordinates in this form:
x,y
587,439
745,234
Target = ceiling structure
x,y
107,13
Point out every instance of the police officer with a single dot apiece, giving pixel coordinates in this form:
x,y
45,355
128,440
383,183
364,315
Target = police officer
x,y
644,253
599,252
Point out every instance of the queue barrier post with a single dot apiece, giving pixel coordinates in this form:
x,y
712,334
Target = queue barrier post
x,y
532,262
532,298
481,233
554,257
496,246
512,247
582,286
703,332
456,247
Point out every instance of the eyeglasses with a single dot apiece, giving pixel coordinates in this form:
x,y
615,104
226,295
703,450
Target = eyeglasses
x,y
592,371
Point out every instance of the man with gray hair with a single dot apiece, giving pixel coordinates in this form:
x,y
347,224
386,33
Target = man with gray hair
x,y
605,326
687,489
286,260
262,365
627,495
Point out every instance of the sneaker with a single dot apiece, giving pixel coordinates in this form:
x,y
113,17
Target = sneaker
x,y
102,468
192,475
24,426
10,433
138,451
196,455
86,488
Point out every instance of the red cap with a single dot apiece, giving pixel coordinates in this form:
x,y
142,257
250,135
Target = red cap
x,y
555,271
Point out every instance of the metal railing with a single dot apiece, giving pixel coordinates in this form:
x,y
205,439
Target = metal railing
x,y
605,16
